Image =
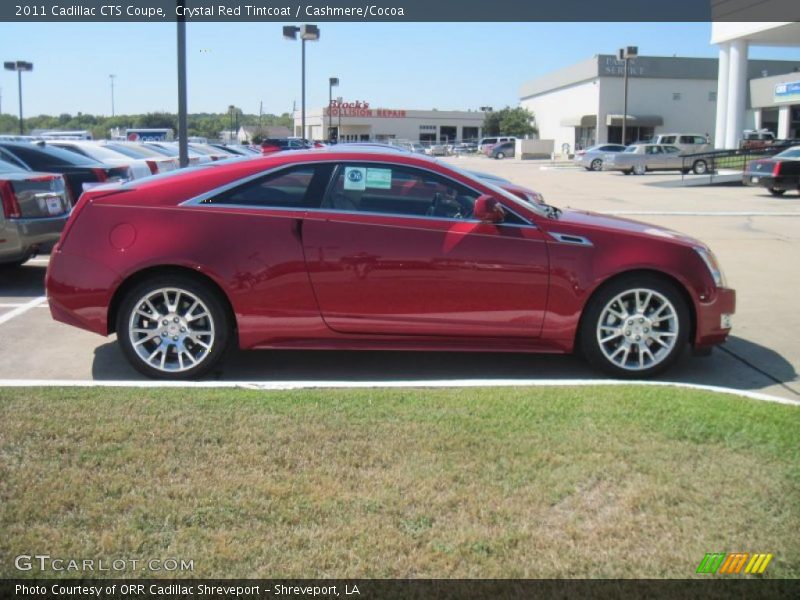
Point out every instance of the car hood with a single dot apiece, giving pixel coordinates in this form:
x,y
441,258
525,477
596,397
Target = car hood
x,y
586,221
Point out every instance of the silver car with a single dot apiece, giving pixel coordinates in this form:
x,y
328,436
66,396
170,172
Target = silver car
x,y
35,207
591,159
640,158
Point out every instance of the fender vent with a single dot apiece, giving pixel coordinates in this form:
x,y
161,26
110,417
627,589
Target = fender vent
x,y
566,238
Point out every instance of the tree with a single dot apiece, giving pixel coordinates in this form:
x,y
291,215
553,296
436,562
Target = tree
x,y
517,121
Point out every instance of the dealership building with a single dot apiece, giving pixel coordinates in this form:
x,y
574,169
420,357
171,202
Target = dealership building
x,y
582,104
358,121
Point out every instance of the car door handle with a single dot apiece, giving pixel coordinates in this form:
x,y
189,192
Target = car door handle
x,y
297,229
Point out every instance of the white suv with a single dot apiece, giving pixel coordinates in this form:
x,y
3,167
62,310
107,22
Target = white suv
x,y
689,143
491,141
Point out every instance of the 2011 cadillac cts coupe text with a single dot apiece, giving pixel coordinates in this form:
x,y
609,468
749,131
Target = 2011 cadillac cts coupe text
x,y
335,249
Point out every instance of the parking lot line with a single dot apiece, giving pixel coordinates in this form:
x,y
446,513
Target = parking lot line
x,y
22,309
436,383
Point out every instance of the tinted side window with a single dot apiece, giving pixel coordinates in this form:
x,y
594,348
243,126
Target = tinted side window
x,y
668,139
295,187
42,158
396,190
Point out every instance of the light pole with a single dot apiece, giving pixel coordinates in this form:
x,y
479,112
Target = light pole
x,y
307,33
339,126
183,131
111,77
626,54
19,66
332,81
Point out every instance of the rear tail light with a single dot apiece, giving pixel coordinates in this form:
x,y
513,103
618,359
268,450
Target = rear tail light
x,y
11,207
153,166
776,170
100,174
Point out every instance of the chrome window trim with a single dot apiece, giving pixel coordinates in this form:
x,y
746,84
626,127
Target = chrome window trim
x,y
200,199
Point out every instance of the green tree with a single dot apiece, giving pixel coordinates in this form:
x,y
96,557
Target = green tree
x,y
517,121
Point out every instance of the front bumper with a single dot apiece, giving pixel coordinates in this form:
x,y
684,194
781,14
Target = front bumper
x,y
20,238
714,319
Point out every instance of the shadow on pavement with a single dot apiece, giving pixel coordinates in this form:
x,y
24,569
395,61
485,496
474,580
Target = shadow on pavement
x,y
722,368
20,282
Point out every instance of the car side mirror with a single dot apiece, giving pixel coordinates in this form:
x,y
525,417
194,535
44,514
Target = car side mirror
x,y
488,210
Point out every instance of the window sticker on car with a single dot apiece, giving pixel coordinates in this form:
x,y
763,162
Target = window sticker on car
x,y
355,178
379,178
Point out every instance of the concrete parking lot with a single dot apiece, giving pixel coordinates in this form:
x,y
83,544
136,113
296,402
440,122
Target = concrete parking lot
x,y
755,236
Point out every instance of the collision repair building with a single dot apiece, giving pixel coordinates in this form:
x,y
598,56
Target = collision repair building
x,y
582,104
358,121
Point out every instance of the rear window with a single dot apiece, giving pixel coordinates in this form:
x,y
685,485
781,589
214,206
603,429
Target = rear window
x,y
42,157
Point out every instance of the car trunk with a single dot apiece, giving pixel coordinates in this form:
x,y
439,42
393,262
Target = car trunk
x,y
36,196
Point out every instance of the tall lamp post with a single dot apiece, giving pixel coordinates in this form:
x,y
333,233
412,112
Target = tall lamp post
x,y
307,33
332,82
111,77
625,54
19,66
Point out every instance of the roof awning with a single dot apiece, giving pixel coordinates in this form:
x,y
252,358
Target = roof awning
x,y
584,121
636,120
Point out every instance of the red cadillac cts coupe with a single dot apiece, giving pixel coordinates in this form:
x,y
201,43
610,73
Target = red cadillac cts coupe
x,y
331,249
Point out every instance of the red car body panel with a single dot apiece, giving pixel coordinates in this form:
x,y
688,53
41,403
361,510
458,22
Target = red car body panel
x,y
327,279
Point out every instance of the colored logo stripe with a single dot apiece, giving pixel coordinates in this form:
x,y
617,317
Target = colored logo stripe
x,y
732,564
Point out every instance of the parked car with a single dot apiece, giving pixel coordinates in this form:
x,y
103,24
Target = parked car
x,y
487,142
171,149
34,210
158,162
438,150
779,173
79,171
688,143
640,158
374,250
592,158
103,154
269,145
502,150
755,139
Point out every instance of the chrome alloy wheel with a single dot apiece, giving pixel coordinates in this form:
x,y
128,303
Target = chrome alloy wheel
x,y
171,330
637,329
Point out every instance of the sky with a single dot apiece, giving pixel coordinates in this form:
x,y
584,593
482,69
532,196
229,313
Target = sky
x,y
455,66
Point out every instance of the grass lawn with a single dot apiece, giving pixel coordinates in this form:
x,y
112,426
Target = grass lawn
x,y
503,482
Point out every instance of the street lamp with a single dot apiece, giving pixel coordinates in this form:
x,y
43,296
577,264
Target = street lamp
x,y
626,54
19,66
307,33
332,81
339,125
111,77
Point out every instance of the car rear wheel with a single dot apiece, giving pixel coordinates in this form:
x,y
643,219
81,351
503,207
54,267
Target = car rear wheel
x,y
639,169
776,192
635,327
173,327
500,156
700,167
597,165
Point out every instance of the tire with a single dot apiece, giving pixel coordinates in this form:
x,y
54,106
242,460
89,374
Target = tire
x,y
639,169
776,192
611,324
597,165
700,167
627,171
500,156
186,348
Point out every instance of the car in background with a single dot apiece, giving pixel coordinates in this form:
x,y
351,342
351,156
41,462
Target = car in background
x,y
487,142
756,139
438,150
502,150
235,149
592,157
688,143
34,208
270,145
332,249
641,158
101,153
171,149
156,161
79,171
779,173
465,148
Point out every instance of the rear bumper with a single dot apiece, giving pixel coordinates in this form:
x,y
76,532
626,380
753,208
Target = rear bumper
x,y
768,181
713,319
19,238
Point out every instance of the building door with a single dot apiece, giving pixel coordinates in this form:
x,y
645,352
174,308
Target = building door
x,y
469,134
448,134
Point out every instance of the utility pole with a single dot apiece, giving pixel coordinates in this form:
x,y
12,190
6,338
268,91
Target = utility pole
x,y
183,142
111,77
625,54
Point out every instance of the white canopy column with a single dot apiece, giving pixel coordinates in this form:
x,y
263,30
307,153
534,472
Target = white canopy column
x,y
737,93
722,95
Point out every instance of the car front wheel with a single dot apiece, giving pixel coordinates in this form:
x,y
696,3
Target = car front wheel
x,y
597,165
173,327
500,156
635,327
639,169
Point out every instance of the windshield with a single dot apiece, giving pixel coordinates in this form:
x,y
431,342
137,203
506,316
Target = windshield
x,y
790,153
537,208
